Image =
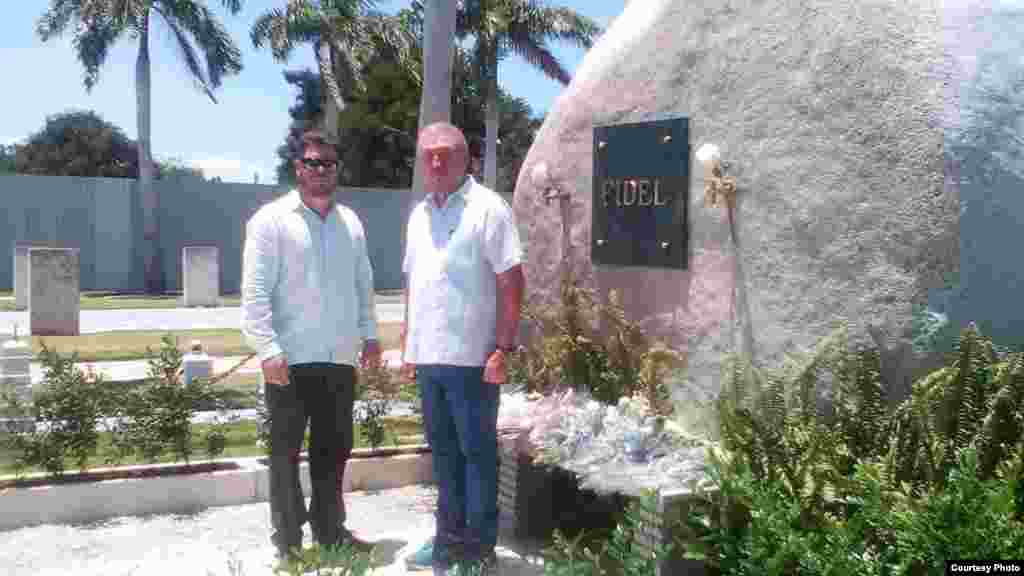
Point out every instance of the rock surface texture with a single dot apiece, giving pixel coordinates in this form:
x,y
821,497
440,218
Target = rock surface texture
x,y
832,117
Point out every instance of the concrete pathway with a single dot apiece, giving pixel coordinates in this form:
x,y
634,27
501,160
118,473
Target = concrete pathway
x,y
389,310
206,542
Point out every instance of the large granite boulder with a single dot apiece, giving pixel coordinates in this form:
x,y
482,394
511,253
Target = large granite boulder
x,y
832,116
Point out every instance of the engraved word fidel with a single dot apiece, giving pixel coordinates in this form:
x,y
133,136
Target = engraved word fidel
x,y
633,192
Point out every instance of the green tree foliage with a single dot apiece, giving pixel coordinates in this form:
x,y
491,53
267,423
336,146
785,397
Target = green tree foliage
x,y
78,143
82,143
204,45
503,27
378,127
7,155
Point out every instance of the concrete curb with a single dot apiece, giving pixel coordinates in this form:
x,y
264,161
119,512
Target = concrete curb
x,y
87,502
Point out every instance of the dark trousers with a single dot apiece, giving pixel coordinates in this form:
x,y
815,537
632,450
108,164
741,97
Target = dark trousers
x,y
460,418
324,395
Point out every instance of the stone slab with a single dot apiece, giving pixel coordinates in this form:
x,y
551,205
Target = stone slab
x,y
831,117
54,291
21,277
200,268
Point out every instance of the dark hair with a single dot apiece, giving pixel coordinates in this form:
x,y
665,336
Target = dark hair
x,y
309,134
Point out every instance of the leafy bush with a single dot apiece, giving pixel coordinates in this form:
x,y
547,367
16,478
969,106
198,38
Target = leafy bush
x,y
157,416
377,391
854,487
342,560
147,420
593,346
618,554
66,409
880,531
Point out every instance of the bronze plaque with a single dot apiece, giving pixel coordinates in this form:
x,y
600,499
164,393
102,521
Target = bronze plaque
x,y
641,193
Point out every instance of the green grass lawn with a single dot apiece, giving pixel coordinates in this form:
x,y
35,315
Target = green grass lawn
x,y
132,344
110,301
241,443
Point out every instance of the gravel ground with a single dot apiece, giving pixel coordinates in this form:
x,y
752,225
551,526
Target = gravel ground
x,y
208,542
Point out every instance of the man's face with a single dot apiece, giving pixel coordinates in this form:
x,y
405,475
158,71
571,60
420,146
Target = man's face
x,y
444,165
317,171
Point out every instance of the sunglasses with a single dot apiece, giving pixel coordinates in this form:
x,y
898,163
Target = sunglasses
x,y
314,163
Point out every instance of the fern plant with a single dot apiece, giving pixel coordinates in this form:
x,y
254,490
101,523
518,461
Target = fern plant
x,y
976,401
771,420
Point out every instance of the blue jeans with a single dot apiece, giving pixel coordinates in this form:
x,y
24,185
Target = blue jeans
x,y
460,418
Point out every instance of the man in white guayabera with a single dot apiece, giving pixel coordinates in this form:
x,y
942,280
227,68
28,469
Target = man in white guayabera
x,y
308,307
463,257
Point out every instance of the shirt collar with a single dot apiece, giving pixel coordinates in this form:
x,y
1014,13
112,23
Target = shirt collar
x,y
461,193
295,203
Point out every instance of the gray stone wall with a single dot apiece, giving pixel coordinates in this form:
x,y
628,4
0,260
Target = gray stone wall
x,y
101,217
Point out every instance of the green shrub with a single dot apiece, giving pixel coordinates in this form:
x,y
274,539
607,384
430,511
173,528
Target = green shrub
x,y
66,410
157,416
342,560
377,391
970,518
591,345
148,420
618,554
877,531
860,488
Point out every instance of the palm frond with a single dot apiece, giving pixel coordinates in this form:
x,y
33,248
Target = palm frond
x,y
537,54
554,23
92,44
222,56
188,55
283,29
56,19
233,6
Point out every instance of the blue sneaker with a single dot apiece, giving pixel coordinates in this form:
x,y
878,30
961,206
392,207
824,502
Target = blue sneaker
x,y
421,559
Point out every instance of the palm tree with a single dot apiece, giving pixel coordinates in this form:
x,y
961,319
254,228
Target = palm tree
x,y
437,29
523,27
100,23
343,33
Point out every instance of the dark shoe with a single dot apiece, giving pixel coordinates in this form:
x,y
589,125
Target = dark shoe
x,y
446,557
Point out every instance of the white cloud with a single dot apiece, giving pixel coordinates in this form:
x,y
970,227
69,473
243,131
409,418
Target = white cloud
x,y
232,170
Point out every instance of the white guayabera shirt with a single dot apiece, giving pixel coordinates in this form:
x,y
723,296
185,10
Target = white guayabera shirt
x,y
451,258
307,283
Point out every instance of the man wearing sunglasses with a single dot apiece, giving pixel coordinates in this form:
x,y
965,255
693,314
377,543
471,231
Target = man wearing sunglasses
x,y
463,257
308,308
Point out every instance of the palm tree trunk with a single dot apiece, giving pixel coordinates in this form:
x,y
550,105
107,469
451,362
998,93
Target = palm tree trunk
x,y
436,99
491,119
147,193
330,90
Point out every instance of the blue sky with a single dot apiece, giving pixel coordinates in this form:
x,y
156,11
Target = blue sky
x,y
233,139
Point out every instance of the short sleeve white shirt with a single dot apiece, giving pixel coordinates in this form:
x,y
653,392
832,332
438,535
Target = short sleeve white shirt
x,y
453,254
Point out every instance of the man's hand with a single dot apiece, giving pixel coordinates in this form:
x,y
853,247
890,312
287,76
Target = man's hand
x,y
371,354
494,371
275,370
408,371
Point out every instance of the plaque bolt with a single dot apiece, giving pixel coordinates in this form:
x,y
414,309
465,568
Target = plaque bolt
x,y
601,145
664,245
666,139
600,242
